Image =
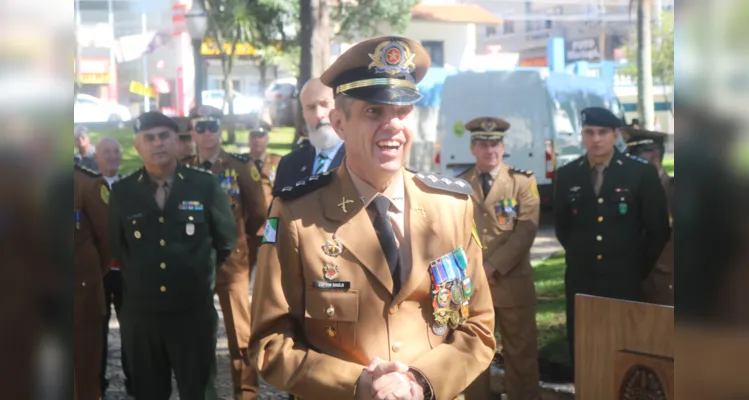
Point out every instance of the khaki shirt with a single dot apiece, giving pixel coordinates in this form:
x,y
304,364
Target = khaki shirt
x,y
507,235
314,343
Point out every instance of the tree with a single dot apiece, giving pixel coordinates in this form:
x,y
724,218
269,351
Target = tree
x,y
365,18
662,58
229,22
645,104
274,21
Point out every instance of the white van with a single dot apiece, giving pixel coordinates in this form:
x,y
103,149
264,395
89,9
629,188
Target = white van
x,y
542,108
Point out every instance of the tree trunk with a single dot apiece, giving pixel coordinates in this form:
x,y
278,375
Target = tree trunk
x,y
315,47
645,102
263,68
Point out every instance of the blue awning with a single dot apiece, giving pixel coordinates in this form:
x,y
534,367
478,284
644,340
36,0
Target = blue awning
x,y
431,86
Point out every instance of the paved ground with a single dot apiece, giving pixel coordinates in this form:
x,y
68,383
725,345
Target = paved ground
x,y
544,246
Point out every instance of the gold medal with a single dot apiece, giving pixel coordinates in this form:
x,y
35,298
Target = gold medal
x,y
333,247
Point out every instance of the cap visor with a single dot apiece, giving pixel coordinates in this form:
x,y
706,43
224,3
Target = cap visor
x,y
398,96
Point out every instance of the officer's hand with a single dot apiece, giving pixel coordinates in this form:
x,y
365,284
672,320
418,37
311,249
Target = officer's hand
x,y
364,386
490,271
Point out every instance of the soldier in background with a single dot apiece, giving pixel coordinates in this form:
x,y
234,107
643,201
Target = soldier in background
x,y
171,227
266,163
610,215
650,146
506,211
86,150
92,258
243,186
186,146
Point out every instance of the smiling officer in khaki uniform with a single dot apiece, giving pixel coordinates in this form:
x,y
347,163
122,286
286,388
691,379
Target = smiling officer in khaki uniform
x,y
91,258
242,184
369,277
506,206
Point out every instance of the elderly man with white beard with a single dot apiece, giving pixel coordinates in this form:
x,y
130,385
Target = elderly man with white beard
x,y
327,150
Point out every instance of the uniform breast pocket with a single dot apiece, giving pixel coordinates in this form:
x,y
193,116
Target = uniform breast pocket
x,y
135,227
623,204
507,214
191,224
330,317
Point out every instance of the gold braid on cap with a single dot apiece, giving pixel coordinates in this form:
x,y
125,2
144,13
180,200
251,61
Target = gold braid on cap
x,y
375,82
640,142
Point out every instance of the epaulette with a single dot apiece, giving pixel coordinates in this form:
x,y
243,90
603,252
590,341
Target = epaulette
x,y
304,186
636,158
525,172
87,171
453,185
243,157
203,170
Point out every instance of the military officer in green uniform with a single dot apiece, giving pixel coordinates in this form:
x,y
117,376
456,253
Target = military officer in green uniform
x,y
170,226
611,217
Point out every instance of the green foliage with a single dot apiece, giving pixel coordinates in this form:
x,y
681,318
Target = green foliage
x,y
362,18
662,52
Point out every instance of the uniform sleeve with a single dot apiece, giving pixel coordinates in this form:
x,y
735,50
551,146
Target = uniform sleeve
x,y
505,257
96,205
116,237
655,215
277,346
223,228
561,217
468,351
253,198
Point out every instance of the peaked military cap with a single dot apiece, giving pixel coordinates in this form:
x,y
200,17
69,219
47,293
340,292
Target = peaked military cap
x,y
262,130
380,70
206,113
599,116
487,128
153,119
641,139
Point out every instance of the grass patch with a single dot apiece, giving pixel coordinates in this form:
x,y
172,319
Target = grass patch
x,y
280,143
668,165
550,310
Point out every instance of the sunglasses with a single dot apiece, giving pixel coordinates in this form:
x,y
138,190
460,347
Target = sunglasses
x,y
203,126
163,135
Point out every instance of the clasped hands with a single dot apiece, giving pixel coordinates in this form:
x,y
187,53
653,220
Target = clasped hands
x,y
383,380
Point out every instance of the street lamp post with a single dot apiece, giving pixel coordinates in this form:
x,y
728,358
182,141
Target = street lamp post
x,y
197,24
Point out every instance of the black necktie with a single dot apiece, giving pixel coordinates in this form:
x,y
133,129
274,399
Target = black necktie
x,y
486,185
259,164
386,236
207,165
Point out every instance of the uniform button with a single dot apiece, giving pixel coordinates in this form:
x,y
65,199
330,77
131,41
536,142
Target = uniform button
x,y
190,218
600,200
484,230
161,219
331,331
394,309
237,250
330,311
600,219
486,247
599,238
162,242
486,215
599,257
670,287
163,265
396,347
163,288
83,284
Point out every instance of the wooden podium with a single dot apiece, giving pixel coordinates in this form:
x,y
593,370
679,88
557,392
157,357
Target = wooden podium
x,y
624,350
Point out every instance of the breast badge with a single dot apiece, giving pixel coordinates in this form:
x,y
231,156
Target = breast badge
x,y
333,247
452,290
330,271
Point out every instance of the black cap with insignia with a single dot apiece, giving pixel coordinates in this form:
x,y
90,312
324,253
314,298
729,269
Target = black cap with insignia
x,y
599,116
380,70
641,139
205,113
262,130
153,119
487,128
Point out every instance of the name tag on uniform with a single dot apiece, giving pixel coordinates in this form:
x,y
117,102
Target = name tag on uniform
x,y
190,229
331,285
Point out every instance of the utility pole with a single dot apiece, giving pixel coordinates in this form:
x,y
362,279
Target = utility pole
x,y
645,102
112,60
144,26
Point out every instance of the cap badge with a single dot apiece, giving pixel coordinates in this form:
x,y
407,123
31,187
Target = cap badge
x,y
137,124
394,57
488,125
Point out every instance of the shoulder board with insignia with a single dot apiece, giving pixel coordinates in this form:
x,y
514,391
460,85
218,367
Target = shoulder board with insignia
x,y
304,186
87,171
636,158
245,158
525,172
454,185
203,170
